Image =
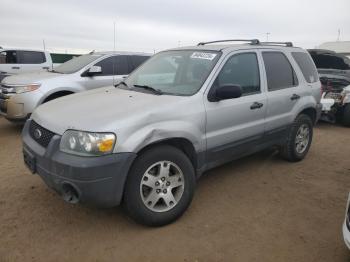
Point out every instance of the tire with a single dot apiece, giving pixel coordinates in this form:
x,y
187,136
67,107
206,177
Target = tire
x,y
142,199
346,115
291,151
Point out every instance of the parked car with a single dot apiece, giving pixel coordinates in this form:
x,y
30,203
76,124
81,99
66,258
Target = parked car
x,y
21,94
14,61
334,71
145,142
346,225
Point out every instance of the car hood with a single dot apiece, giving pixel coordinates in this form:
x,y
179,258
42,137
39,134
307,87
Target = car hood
x,y
29,78
100,110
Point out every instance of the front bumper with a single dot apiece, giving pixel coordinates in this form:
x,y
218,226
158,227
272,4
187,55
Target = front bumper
x,y
18,107
98,181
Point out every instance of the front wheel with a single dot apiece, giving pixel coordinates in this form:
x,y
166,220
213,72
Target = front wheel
x,y
160,186
298,140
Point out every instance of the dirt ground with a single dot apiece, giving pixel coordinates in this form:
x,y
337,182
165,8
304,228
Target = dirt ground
x,y
259,208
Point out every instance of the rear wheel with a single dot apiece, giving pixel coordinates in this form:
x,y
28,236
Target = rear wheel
x,y
160,186
346,115
299,139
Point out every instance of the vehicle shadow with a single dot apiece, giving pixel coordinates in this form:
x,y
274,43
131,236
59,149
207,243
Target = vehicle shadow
x,y
8,128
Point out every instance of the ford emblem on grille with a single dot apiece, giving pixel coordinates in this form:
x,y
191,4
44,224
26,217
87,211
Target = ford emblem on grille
x,y
37,133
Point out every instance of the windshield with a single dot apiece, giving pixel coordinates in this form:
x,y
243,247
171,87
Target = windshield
x,y
175,72
76,64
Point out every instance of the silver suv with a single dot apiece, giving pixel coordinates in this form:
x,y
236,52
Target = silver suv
x,y
21,94
145,142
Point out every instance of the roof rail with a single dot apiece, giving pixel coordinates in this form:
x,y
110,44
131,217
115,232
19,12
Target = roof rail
x,y
251,41
289,44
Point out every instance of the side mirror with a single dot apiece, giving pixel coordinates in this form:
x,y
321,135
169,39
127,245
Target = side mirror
x,y
225,92
94,70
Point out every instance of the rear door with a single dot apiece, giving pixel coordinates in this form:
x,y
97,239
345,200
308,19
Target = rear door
x,y
31,61
283,90
234,126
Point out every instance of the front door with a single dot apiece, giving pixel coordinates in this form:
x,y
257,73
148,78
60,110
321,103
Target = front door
x,y
234,126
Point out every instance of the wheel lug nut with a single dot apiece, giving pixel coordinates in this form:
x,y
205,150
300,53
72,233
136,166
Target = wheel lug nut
x,y
163,178
158,191
157,183
164,191
168,183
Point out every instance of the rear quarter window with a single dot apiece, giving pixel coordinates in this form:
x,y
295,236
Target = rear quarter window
x,y
306,66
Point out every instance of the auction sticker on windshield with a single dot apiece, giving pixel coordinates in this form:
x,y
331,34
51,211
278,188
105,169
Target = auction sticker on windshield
x,y
202,55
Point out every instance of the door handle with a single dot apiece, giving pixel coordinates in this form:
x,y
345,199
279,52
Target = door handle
x,y
256,105
294,97
15,67
46,67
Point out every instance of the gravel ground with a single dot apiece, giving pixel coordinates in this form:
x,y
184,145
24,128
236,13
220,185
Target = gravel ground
x,y
260,208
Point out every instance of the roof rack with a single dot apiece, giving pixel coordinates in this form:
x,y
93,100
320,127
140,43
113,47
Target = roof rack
x,y
289,44
251,41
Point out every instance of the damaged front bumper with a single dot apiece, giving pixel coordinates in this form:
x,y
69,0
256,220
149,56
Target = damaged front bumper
x,y
98,181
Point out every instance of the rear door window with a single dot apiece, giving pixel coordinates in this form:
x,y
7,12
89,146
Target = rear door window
x,y
31,57
306,66
279,72
8,57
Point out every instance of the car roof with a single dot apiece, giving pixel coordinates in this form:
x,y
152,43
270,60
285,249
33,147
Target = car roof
x,y
234,47
120,53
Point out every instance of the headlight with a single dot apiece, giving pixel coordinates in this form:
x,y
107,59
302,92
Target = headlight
x,y
28,88
87,144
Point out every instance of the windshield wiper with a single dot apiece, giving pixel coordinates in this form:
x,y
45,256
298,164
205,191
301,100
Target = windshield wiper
x,y
156,91
121,83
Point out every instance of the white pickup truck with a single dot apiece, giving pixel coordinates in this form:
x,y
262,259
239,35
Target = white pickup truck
x,y
17,61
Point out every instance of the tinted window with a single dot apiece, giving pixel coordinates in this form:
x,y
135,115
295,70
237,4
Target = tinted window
x,y
121,65
8,57
107,66
279,71
242,70
116,65
331,61
31,57
137,60
307,66
76,63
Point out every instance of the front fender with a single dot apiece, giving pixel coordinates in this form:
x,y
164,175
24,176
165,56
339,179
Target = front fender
x,y
162,131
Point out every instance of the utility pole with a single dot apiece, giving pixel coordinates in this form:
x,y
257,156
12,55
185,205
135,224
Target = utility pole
x,y
338,38
44,45
267,36
114,37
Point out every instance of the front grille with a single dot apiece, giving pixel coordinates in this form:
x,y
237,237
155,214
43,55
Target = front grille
x,y
41,135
